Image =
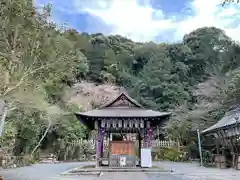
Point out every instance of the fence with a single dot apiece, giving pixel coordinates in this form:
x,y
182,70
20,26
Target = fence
x,y
161,143
92,143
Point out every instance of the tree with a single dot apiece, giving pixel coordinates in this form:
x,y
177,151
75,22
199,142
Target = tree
x,y
230,1
31,53
40,60
210,51
160,82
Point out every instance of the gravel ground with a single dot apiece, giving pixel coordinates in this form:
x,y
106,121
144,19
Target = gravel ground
x,y
39,171
195,172
182,171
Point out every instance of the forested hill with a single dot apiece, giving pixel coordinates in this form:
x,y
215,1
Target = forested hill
x,y
167,77
197,79
161,76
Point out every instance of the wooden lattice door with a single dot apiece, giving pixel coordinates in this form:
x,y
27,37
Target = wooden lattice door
x,y
122,148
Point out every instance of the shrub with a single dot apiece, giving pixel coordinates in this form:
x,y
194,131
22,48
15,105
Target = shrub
x,y
170,154
28,160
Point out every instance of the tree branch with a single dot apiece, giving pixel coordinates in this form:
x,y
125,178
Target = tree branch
x,y
4,115
4,54
21,81
15,38
5,111
42,138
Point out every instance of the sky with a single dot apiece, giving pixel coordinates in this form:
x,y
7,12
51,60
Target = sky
x,y
146,20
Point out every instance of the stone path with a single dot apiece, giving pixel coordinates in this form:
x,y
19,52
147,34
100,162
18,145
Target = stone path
x,y
196,172
39,171
72,177
123,176
182,171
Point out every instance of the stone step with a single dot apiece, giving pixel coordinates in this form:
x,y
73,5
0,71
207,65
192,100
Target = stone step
x,y
73,177
123,176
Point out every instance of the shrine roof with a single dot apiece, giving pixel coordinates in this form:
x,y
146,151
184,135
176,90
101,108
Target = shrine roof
x,y
127,101
230,118
123,112
123,106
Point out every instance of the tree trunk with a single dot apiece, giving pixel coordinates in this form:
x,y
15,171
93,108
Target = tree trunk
x,y
42,138
3,114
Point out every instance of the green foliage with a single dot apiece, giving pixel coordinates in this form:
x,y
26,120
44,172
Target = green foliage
x,y
170,154
208,158
38,62
7,141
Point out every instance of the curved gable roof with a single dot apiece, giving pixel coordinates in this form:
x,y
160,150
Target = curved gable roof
x,y
119,97
121,106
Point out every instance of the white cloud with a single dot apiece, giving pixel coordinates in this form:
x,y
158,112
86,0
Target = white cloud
x,y
144,23
211,13
130,19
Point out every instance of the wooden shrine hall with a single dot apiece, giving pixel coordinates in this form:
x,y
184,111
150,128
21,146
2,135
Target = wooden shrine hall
x,y
128,127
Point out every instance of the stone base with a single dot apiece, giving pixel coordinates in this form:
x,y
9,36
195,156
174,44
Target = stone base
x,y
92,171
220,161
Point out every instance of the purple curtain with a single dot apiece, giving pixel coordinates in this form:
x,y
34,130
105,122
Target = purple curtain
x,y
150,137
100,140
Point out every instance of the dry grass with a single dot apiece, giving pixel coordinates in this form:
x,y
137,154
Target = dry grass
x,y
83,94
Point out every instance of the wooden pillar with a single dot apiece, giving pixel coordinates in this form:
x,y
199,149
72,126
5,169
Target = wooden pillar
x,y
217,146
142,137
102,145
142,143
139,148
149,135
97,143
109,148
101,141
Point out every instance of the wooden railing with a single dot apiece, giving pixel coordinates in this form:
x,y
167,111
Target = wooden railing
x,y
162,143
92,144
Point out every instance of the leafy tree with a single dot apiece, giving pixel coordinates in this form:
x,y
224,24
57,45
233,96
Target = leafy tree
x,y
39,61
32,52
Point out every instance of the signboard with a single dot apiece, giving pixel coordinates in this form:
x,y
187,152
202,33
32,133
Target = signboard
x,y
146,157
122,148
122,161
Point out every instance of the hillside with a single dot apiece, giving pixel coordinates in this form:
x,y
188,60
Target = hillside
x,y
190,78
160,76
48,73
89,95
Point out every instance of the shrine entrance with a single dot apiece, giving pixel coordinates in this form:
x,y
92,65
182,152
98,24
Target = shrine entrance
x,y
123,145
127,127
122,148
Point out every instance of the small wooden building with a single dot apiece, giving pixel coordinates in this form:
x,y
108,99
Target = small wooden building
x,y
117,119
227,134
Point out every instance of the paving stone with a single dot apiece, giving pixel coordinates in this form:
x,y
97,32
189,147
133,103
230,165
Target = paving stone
x,y
182,171
123,176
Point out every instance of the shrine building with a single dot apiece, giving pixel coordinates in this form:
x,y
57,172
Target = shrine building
x,y
128,128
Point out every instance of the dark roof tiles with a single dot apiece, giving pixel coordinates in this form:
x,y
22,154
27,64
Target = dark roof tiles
x,y
230,118
124,112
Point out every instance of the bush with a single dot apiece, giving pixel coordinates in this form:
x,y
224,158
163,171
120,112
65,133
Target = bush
x,y
69,153
208,158
28,160
170,154
77,152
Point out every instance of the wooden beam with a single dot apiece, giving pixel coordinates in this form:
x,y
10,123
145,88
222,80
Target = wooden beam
x,y
139,148
96,125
